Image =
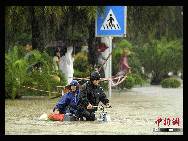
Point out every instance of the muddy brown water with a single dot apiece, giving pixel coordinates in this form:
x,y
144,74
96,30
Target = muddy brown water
x,y
134,112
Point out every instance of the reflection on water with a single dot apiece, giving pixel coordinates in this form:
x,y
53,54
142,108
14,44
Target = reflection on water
x,y
133,112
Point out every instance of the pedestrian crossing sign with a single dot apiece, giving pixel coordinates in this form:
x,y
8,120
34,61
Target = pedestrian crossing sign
x,y
112,22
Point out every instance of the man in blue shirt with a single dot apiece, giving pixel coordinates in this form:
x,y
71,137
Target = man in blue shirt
x,y
68,102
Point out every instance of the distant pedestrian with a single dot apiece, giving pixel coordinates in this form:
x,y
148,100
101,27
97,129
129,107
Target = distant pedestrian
x,y
124,67
56,60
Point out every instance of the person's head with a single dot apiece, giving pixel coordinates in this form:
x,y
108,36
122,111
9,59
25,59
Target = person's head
x,y
95,78
58,49
58,54
74,85
126,52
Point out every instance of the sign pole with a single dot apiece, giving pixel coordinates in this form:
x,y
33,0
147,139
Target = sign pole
x,y
112,23
110,68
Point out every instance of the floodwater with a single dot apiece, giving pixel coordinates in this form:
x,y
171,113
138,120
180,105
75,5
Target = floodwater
x,y
134,112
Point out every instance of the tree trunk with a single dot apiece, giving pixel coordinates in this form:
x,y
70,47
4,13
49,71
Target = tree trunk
x,y
37,42
92,57
156,79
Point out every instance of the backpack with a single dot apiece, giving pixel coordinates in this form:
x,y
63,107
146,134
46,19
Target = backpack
x,y
56,117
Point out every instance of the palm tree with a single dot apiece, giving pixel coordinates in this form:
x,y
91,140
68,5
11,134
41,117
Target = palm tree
x,y
73,24
39,21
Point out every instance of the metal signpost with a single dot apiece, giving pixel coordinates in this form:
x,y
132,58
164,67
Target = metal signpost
x,y
108,25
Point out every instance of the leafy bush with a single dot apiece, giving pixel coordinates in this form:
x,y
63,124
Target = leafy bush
x,y
81,65
132,80
20,71
63,80
160,57
80,74
138,80
129,82
23,38
124,43
170,83
15,72
104,85
46,78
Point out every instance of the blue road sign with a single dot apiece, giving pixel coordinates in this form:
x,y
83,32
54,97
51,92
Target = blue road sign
x,y
112,22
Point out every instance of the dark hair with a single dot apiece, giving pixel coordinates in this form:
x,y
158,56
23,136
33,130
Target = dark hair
x,y
95,76
57,49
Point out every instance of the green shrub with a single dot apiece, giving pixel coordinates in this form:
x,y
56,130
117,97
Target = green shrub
x,y
47,79
80,74
81,65
19,72
104,85
63,80
128,83
124,43
160,57
15,72
170,83
132,80
137,79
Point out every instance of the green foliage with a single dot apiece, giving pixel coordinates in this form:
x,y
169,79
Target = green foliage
x,y
23,38
63,80
47,23
46,79
136,77
15,72
170,83
42,24
143,23
124,44
17,26
117,53
135,63
33,57
131,81
133,60
104,85
81,65
138,80
19,72
161,57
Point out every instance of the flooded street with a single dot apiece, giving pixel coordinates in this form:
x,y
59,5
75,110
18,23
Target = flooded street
x,y
134,112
